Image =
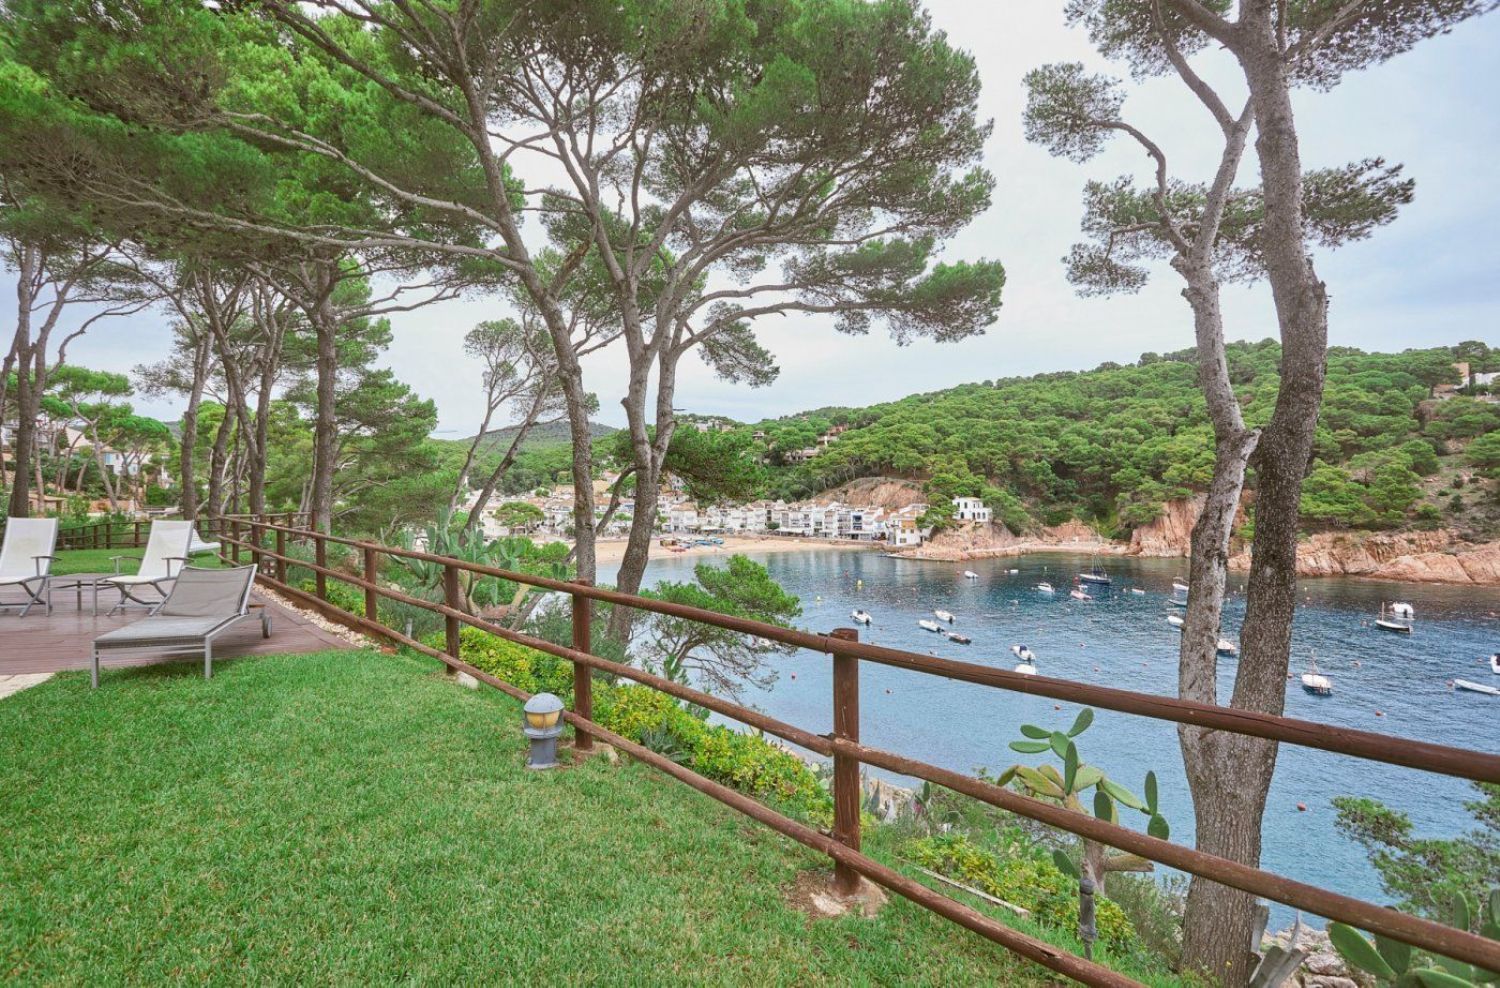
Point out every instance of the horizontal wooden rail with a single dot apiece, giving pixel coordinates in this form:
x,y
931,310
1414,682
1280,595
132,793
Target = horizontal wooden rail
x,y
1444,940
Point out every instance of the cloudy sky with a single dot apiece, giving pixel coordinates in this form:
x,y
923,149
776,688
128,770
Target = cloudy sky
x,y
1428,279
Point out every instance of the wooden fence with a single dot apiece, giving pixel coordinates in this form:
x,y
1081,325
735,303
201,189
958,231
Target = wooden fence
x,y
265,541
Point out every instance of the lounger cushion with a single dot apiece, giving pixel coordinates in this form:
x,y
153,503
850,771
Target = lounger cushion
x,y
135,581
12,581
161,631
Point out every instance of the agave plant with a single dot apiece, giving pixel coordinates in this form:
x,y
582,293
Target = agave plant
x,y
1392,962
1066,787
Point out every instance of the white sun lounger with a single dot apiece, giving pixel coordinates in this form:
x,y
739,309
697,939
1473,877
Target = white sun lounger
x,y
202,604
166,547
26,558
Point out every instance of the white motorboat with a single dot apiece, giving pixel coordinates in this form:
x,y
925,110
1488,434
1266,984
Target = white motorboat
x,y
1174,602
1178,586
970,575
958,639
1175,621
927,625
1079,595
863,617
1227,647
1046,587
1315,682
1023,653
1012,572
1495,663
1464,684
1401,610
942,615
1137,590
1027,668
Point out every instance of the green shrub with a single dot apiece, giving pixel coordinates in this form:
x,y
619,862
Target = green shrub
x,y
1031,882
747,763
340,595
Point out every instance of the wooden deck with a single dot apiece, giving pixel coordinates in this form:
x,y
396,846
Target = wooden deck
x,y
42,643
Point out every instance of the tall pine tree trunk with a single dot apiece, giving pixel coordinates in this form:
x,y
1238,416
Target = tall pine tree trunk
x,y
325,427
1238,770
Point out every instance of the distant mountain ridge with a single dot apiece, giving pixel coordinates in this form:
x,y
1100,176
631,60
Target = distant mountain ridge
x,y
546,434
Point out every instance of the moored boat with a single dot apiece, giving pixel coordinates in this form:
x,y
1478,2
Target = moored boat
x,y
943,615
1227,647
1046,587
1315,682
1495,663
1023,653
863,617
1464,684
1396,618
970,575
1175,621
1178,586
927,625
1079,595
959,639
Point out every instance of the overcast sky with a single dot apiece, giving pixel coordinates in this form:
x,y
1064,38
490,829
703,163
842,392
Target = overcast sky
x,y
1428,279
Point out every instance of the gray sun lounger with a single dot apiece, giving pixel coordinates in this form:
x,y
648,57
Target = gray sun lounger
x,y
202,604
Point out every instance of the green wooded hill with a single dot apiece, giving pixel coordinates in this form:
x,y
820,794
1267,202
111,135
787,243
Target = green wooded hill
x,y
1111,445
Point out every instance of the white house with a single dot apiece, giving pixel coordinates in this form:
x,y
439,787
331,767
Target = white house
x,y
683,517
971,509
902,532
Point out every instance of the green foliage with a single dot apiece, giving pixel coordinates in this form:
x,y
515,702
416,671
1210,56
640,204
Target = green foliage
x,y
1425,874
747,762
1114,444
340,595
1391,962
1030,881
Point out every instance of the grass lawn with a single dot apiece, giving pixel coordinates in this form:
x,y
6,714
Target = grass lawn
x,y
352,817
98,561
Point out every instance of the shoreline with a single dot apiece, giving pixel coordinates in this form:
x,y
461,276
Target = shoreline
x,y
613,551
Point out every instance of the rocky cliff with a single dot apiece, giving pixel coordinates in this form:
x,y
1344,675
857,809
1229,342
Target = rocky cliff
x,y
1438,556
1171,534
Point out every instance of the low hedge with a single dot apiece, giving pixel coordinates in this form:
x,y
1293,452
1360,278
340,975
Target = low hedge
x,y
1029,881
748,763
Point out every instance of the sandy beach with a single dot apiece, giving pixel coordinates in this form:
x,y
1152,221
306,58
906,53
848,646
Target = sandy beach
x,y
614,550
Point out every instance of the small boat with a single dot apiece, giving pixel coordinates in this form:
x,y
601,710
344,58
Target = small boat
x,y
1227,647
1175,621
1012,572
1178,586
1391,619
1023,653
970,575
1174,602
943,616
927,625
1464,684
1095,576
1137,590
959,639
863,617
1315,682
1046,587
1495,663
1079,595
1027,667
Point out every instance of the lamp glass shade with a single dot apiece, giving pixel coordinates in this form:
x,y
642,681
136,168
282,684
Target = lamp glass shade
x,y
542,720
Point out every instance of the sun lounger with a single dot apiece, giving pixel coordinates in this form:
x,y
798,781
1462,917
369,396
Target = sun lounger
x,y
26,558
166,549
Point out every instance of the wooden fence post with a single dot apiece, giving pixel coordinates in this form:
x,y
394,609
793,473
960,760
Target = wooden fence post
x,y
256,537
238,534
846,791
453,600
137,540
372,573
281,555
583,680
320,557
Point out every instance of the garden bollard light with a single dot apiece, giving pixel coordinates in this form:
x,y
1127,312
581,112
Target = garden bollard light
x,y
543,727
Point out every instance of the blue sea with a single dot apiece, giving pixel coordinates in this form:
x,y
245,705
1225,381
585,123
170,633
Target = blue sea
x,y
1397,684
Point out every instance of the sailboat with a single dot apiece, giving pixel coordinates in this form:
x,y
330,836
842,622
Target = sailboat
x,y
1095,573
1315,682
1398,621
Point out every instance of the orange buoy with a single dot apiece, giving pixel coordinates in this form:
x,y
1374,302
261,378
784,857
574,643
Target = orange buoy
x,y
1301,807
